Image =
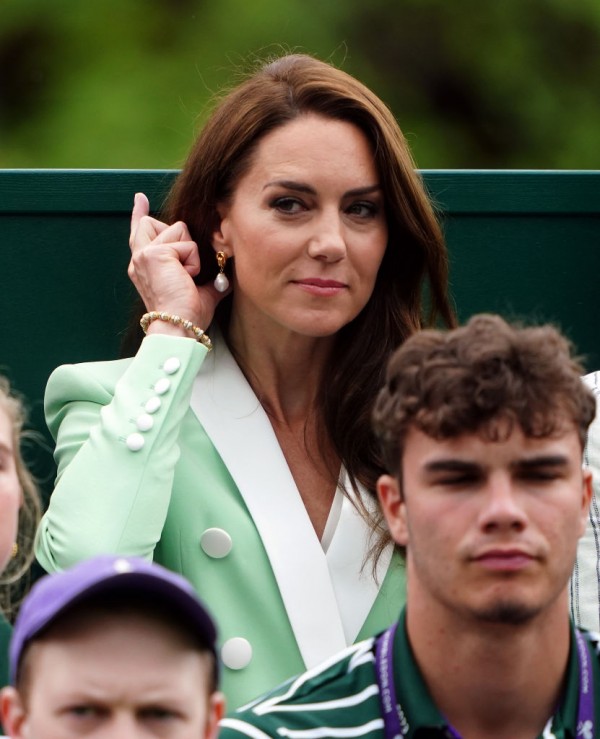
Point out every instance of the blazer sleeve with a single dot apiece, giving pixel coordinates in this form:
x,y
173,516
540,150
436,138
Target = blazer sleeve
x,y
116,426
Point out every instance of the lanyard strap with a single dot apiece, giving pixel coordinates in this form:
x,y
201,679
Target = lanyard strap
x,y
384,669
395,729
585,714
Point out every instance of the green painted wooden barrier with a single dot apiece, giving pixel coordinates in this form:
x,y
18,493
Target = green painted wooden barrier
x,y
525,244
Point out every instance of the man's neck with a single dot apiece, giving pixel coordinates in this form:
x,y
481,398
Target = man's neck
x,y
492,680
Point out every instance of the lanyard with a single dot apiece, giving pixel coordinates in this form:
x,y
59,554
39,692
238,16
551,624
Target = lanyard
x,y
396,725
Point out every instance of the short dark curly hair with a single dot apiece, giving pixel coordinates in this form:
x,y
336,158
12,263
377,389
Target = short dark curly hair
x,y
446,383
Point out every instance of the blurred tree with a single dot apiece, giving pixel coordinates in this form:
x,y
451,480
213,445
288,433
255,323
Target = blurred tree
x,y
124,83
510,84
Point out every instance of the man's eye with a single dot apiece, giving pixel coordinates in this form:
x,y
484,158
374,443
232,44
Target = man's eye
x,y
541,475
157,713
457,480
85,711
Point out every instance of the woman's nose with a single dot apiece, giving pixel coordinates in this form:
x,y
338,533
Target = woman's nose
x,y
328,242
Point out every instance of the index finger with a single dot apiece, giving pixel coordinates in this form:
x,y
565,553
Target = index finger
x,y
141,208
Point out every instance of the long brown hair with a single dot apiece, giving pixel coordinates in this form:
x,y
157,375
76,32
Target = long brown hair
x,y
12,584
415,260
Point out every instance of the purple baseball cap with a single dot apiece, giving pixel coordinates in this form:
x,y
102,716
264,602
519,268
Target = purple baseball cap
x,y
54,594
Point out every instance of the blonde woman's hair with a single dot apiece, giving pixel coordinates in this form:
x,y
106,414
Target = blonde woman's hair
x,y
13,580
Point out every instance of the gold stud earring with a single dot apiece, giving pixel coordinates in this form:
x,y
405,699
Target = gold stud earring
x,y
221,282
15,550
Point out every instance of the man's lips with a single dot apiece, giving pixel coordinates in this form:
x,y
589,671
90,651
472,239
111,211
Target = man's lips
x,y
504,559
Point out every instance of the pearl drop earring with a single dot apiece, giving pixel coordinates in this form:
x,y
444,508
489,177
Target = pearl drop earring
x,y
221,282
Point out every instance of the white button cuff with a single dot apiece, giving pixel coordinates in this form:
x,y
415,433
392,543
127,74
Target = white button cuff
x,y
162,386
152,404
171,365
135,442
144,422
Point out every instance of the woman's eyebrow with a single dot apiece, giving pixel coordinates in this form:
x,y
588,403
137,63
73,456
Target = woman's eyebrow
x,y
303,187
363,190
291,185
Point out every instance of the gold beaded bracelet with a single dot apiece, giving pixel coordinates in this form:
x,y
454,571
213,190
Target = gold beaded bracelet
x,y
147,319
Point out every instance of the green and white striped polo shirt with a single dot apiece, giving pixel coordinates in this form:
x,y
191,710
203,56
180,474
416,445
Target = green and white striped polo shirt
x,y
340,698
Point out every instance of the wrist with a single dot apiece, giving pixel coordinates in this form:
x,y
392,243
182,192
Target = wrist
x,y
165,328
168,321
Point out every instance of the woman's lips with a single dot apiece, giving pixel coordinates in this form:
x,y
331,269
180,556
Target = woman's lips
x,y
318,286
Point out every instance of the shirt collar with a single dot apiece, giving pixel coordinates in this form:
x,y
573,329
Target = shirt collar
x,y
418,713
415,706
565,718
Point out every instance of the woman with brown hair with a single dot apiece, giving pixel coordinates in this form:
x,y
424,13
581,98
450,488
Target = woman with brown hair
x,y
19,514
299,232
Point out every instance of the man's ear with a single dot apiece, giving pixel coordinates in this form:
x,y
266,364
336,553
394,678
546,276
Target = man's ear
x,y
13,713
216,711
586,499
393,508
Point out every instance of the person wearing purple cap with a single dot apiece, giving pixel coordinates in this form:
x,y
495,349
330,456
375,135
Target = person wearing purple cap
x,y
113,647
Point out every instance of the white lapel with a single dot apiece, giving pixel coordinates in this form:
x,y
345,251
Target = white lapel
x,y
352,578
236,423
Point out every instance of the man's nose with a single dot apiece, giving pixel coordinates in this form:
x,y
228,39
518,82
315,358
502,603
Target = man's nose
x,y
123,725
502,507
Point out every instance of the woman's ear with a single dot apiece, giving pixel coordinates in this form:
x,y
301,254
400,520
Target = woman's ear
x,y
221,229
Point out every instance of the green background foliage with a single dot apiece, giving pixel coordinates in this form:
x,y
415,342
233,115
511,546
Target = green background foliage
x,y
473,83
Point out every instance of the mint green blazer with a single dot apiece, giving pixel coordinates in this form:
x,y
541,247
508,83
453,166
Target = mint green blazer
x,y
170,456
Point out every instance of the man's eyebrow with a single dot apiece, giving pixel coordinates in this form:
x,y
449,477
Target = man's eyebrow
x,y
451,465
543,460
463,465
303,187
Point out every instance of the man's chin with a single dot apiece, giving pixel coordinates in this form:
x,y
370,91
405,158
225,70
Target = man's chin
x,y
510,613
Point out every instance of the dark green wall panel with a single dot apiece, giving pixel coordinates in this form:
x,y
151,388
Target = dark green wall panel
x,y
525,244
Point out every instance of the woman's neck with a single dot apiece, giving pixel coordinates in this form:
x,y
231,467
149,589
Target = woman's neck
x,y
284,369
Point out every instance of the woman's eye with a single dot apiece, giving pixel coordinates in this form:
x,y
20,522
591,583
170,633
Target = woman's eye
x,y
287,205
363,209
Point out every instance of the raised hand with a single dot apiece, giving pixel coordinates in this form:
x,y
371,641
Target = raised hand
x,y
164,261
